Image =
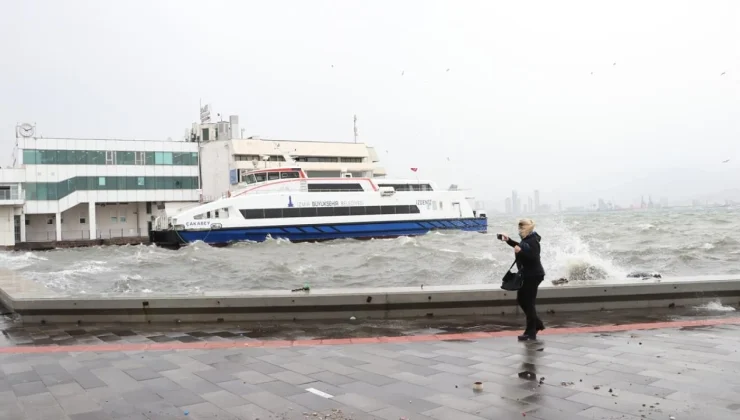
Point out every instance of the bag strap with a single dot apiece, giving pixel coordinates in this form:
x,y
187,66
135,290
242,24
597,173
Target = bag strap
x,y
512,265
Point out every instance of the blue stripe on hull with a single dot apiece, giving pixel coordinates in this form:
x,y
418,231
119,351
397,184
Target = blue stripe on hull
x,y
332,231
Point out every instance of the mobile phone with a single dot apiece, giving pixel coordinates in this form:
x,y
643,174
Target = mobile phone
x,y
500,237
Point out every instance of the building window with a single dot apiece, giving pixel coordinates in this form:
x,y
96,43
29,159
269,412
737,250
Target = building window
x,y
28,221
50,220
83,219
351,159
108,157
206,134
140,183
122,216
58,190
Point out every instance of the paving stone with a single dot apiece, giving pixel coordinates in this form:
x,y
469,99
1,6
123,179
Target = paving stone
x,y
252,377
360,402
224,399
142,374
395,413
23,377
314,402
141,396
239,387
250,411
447,413
274,403
181,397
29,388
77,404
87,379
160,384
332,378
292,378
264,368
372,378
215,376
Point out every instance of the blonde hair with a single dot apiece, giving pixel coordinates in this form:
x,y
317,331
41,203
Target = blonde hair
x,y
526,227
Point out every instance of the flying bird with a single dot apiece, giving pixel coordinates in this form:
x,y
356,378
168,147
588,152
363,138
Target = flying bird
x,y
403,72
725,161
723,73
448,69
615,63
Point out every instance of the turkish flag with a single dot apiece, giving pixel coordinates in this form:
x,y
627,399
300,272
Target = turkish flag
x,y
414,169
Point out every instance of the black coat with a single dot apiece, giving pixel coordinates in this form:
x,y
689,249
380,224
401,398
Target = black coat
x,y
528,259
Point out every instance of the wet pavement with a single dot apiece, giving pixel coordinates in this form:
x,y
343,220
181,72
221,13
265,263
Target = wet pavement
x,y
14,333
680,370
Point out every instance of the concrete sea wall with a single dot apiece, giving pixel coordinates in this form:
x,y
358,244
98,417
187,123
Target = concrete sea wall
x,y
33,303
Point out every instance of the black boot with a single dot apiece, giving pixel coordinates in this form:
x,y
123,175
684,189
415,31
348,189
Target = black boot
x,y
540,325
527,337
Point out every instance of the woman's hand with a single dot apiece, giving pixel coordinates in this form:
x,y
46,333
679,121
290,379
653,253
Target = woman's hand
x,y
517,249
504,237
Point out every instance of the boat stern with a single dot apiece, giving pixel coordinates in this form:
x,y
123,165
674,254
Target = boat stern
x,y
166,238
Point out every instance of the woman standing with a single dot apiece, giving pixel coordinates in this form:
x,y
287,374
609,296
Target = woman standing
x,y
527,253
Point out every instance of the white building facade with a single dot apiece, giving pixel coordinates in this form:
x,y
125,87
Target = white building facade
x,y
224,154
64,189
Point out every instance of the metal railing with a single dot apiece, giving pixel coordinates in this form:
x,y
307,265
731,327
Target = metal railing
x,y
83,235
12,194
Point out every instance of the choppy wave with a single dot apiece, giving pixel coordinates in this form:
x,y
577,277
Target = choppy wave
x,y
586,249
715,306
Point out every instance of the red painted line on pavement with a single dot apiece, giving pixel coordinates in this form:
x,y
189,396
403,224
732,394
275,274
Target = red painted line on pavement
x,y
348,341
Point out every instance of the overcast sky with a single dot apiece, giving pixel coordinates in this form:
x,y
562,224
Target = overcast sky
x,y
579,99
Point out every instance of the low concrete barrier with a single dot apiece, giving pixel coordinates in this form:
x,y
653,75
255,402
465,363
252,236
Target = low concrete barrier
x,y
34,303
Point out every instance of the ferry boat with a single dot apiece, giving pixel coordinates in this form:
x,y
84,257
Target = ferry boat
x,y
285,203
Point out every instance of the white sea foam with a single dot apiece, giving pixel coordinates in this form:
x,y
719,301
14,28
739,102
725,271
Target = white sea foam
x,y
566,254
715,306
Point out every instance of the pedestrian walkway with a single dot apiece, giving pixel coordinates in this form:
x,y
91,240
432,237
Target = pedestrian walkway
x,y
680,370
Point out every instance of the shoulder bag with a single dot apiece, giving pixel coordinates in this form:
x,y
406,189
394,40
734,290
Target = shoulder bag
x,y
512,281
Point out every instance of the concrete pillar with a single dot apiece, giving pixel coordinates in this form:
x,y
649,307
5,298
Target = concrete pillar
x,y
91,217
23,226
58,222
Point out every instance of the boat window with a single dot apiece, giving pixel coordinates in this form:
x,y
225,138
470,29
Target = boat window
x,y
292,212
341,211
271,176
327,211
287,175
312,187
253,213
208,215
216,214
408,187
357,211
225,212
309,211
440,205
260,177
250,179
372,209
273,213
198,216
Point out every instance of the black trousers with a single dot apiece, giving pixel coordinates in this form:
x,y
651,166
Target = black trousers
x,y
526,297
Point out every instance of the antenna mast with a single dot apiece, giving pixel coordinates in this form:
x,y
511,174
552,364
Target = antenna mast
x,y
355,125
